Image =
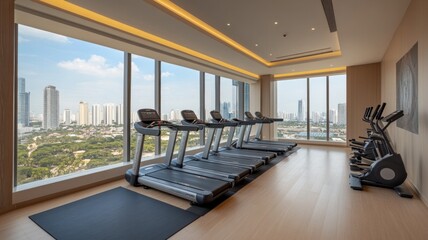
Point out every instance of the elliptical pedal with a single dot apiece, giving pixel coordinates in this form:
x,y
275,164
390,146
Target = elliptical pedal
x,y
355,183
403,191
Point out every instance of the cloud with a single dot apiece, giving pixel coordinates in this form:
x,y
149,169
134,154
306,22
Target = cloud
x,y
94,66
149,77
26,33
167,74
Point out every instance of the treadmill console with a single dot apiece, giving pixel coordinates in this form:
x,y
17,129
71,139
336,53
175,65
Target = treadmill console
x,y
189,115
148,115
249,115
216,115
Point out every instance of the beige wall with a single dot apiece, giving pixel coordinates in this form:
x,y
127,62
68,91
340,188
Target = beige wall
x,y
267,103
363,90
413,147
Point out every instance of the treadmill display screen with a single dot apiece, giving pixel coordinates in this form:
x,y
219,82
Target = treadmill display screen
x,y
188,115
148,115
216,115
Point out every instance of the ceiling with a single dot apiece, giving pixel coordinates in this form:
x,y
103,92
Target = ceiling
x,y
364,29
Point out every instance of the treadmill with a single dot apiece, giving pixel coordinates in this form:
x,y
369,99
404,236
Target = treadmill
x,y
197,188
228,149
257,138
189,117
241,144
225,169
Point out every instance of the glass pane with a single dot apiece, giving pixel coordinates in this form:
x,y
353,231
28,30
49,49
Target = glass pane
x,y
291,105
228,101
142,96
246,97
70,115
209,95
318,108
337,107
179,91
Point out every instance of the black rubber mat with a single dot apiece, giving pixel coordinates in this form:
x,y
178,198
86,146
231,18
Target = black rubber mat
x,y
115,214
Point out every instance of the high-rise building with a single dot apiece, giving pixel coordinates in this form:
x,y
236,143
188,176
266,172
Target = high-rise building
x,y
246,97
341,113
300,111
225,110
83,113
333,116
234,110
67,116
316,117
23,104
50,107
110,114
97,114
119,114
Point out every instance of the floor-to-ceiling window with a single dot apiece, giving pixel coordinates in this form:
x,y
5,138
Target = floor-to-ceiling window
x,y
142,96
317,116
337,106
179,91
229,93
292,107
318,108
70,109
70,105
209,95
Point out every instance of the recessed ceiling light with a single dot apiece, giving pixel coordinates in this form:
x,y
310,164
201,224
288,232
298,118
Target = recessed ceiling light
x,y
313,29
276,23
256,45
228,24
331,65
270,54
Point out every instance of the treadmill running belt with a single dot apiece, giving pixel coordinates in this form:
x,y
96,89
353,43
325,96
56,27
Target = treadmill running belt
x,y
191,180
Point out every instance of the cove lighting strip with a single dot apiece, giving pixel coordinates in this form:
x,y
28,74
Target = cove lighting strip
x,y
309,73
180,12
99,18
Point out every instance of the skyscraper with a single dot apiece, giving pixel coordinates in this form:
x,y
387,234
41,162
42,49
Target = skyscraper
x,y
23,104
246,97
119,114
67,116
83,113
110,114
300,111
341,113
333,116
97,114
225,110
50,107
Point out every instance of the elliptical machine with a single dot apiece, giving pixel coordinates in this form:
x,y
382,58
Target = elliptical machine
x,y
389,170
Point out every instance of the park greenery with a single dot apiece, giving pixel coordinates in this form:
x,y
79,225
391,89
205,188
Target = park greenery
x,y
49,153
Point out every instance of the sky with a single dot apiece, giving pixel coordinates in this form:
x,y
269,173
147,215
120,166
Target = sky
x,y
83,71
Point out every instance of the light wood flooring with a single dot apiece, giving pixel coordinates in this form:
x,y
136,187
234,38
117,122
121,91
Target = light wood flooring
x,y
305,196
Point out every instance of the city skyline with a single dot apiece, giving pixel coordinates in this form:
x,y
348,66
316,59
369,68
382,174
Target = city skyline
x,y
83,70
336,116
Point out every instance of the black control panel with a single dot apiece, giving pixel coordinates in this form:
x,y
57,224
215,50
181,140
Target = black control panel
x,y
148,115
189,115
216,115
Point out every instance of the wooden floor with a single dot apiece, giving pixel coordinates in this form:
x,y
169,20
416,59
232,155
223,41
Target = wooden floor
x,y
306,196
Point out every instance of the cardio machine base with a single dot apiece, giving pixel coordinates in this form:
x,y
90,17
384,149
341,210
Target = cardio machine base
x,y
357,184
